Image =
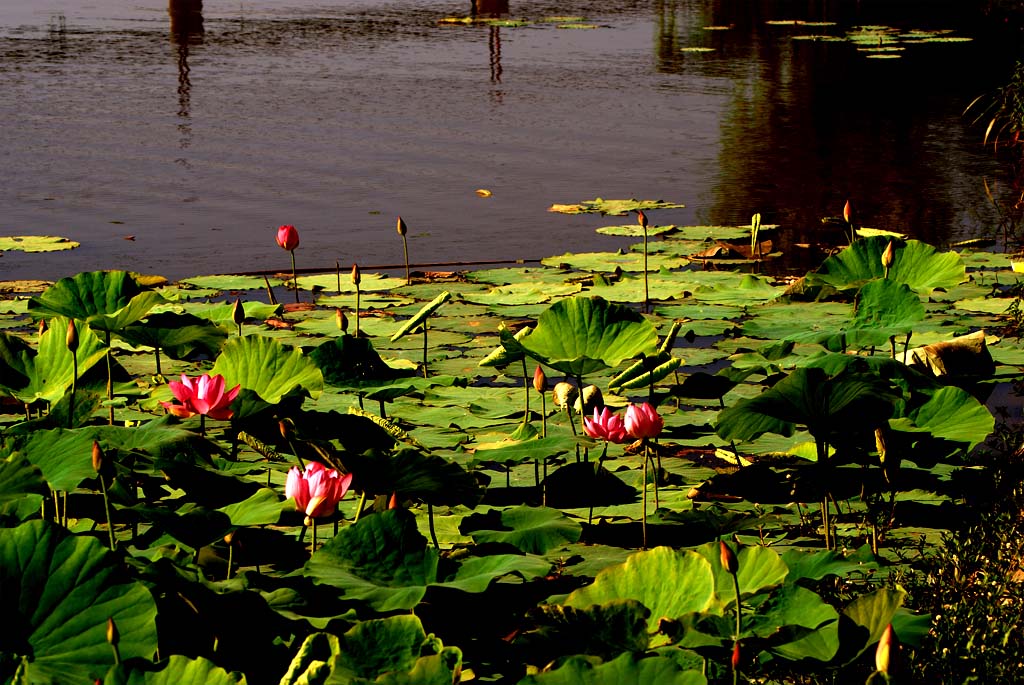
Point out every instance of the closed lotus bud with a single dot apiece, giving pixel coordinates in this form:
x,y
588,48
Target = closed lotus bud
x,y
229,539
42,326
97,457
735,661
880,444
393,502
563,393
238,312
355,274
72,338
402,228
887,646
641,219
888,257
591,399
540,381
307,522
113,636
284,427
849,213
728,557
341,320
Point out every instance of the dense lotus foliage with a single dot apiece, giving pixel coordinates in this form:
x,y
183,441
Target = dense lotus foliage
x,y
728,488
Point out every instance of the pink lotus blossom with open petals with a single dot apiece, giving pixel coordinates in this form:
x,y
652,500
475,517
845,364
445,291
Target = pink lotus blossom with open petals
x,y
316,490
203,395
288,237
643,421
606,426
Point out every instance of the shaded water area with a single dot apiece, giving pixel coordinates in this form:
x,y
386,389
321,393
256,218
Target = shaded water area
x,y
198,139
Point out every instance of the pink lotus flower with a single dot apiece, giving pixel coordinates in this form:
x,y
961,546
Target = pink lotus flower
x,y
287,237
317,490
203,395
606,426
643,421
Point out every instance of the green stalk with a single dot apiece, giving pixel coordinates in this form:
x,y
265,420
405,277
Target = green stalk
x,y
597,471
543,416
643,524
295,280
74,385
110,380
526,389
405,252
647,297
357,310
424,348
359,508
430,521
106,508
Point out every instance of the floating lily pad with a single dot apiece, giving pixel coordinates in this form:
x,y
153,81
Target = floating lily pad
x,y
36,243
608,261
613,207
229,282
635,230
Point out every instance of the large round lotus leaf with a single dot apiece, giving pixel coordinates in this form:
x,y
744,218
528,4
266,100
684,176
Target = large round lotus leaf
x,y
58,593
514,453
229,282
18,478
47,373
795,605
629,289
87,295
868,615
888,307
533,530
612,207
137,308
508,276
347,359
412,474
523,293
581,335
626,668
917,264
35,243
177,335
760,569
176,670
421,316
634,230
608,261
222,313
748,289
951,414
668,582
267,368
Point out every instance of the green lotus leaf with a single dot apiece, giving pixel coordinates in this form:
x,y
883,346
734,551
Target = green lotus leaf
x,y
18,478
634,230
421,316
647,378
612,207
505,354
263,508
384,561
412,474
794,605
348,360
176,670
85,296
629,289
176,335
603,630
50,370
829,407
884,308
36,243
760,569
919,265
748,290
668,582
525,450
533,530
368,282
266,367
136,309
523,293
626,668
222,313
229,282
864,620
391,650
817,565
58,593
580,335
950,414
608,261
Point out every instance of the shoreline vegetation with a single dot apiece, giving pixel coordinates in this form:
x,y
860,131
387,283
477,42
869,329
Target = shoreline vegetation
x,y
652,465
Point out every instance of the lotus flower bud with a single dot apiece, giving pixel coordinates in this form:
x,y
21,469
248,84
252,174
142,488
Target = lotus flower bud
x,y
307,522
97,457
540,381
563,393
355,274
728,557
402,228
287,237
284,427
341,320
229,539
113,636
884,652
393,502
641,219
589,400
42,326
238,312
888,257
849,213
735,660
72,338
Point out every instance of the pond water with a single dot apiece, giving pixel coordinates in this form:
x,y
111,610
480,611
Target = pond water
x,y
339,115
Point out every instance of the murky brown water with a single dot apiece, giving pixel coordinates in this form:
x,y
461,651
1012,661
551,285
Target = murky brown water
x,y
338,115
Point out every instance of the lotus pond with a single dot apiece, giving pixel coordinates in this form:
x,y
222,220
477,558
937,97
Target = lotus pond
x,y
821,437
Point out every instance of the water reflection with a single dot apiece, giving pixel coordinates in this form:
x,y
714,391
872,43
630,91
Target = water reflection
x,y
186,30
492,9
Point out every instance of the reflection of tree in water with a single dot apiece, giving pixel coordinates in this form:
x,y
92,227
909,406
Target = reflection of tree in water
x,y
492,9
804,125
186,30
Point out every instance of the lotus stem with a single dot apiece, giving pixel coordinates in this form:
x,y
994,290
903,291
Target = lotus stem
x,y
202,425
430,522
543,415
892,346
359,507
156,353
643,524
231,555
106,509
597,473
357,309
383,411
657,475
424,348
270,291
295,279
906,346
312,549
64,508
526,389
110,380
647,296
405,254
74,386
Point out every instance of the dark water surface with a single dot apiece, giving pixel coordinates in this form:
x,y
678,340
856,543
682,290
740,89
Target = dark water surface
x,y
338,115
